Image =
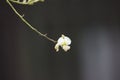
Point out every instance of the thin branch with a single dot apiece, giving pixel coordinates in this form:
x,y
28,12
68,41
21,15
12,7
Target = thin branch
x,y
26,2
29,25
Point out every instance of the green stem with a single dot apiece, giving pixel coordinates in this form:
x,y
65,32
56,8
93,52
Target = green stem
x,y
29,25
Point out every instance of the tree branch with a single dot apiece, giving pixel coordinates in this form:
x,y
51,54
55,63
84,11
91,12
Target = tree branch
x,y
27,23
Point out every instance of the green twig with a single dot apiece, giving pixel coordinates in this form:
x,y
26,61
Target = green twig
x,y
29,25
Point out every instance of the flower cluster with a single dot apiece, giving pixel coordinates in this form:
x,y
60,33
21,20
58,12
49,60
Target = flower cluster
x,y
64,43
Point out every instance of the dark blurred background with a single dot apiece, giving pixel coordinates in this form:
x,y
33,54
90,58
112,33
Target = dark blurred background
x,y
93,26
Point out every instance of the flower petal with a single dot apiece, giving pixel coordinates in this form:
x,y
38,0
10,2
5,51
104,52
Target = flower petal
x,y
57,47
66,48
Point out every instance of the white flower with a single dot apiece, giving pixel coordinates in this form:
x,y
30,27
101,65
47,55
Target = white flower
x,y
64,42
